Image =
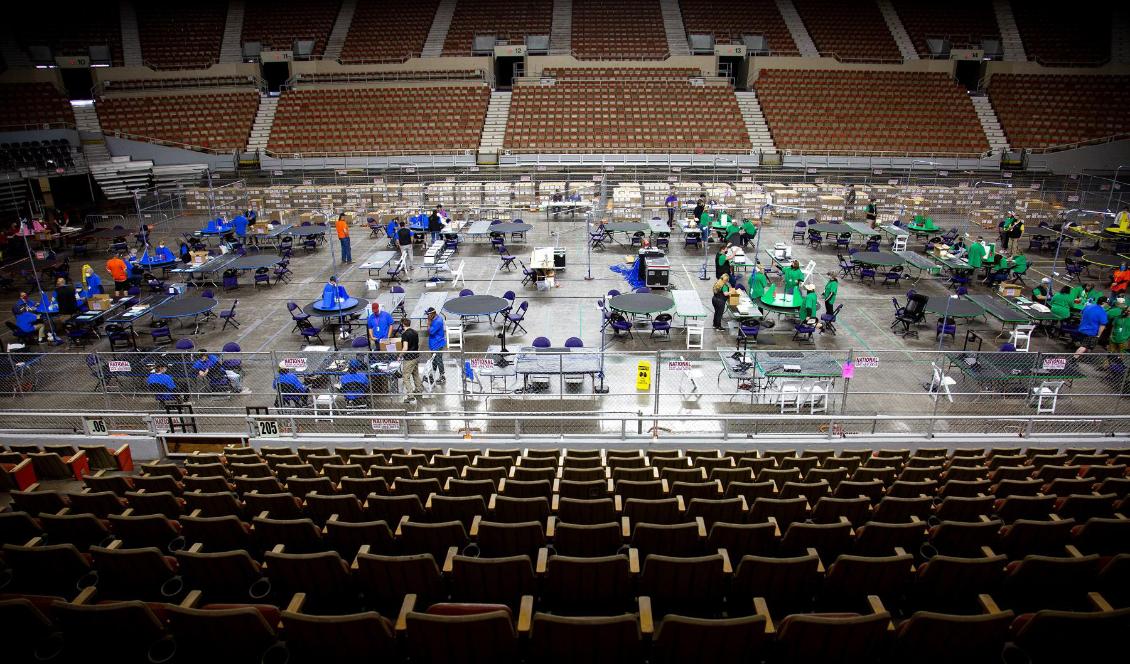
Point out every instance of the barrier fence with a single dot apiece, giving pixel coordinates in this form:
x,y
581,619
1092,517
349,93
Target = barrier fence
x,y
582,394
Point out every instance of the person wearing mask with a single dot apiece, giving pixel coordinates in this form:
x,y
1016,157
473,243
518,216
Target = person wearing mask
x,y
342,227
286,382
404,239
831,289
810,306
28,322
1120,279
671,203
699,208
23,303
1060,304
1092,322
733,232
1042,291
435,224
379,323
119,272
208,366
793,275
239,225
1120,328
65,297
437,341
1019,266
721,293
160,382
163,254
749,232
410,361
757,284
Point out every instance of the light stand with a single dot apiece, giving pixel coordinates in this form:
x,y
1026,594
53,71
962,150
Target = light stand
x,y
35,274
1113,184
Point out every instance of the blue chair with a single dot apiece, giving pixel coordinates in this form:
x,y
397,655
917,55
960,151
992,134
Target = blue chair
x,y
946,326
873,244
747,333
574,342
843,240
233,365
692,239
514,320
961,291
120,338
620,324
663,241
893,276
161,334
184,345
282,272
829,320
661,323
497,241
867,273
958,280
799,231
637,239
297,315
847,268
262,277
815,238
229,317
1074,269
465,292
361,342
1007,347
597,238
642,289
803,332
506,258
542,342
529,275
308,331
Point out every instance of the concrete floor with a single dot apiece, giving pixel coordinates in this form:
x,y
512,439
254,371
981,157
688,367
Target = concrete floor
x,y
570,310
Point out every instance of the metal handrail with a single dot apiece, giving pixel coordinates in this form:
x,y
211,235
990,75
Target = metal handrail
x,y
1071,146
162,141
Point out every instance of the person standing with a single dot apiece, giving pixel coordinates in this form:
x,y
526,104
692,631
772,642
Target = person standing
x,y
379,324
872,212
810,307
975,255
699,208
1122,220
343,237
437,341
404,239
1120,279
120,274
65,296
758,283
831,289
721,262
435,224
793,275
1120,328
410,361
718,299
671,202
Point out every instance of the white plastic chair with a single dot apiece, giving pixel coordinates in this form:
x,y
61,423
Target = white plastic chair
x,y
941,383
695,334
1022,337
457,275
455,335
818,393
1047,390
791,395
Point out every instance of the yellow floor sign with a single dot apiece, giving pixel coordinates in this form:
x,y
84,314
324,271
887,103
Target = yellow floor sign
x,y
643,375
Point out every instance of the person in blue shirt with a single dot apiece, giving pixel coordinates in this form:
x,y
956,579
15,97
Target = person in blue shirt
x,y
1091,324
252,216
287,382
207,363
355,383
437,341
379,324
331,292
161,383
390,231
28,322
163,255
240,226
91,282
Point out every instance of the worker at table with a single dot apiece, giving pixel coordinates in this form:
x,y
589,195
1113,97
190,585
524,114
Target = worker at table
x,y
1120,279
332,294
355,382
1120,329
286,381
976,253
1042,291
831,289
161,382
722,262
749,232
1060,303
91,282
733,232
379,323
239,224
704,225
1019,266
28,322
810,305
758,282
793,275
721,293
163,254
1115,309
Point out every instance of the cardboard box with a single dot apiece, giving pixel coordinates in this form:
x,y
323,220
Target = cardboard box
x,y
98,302
1010,290
390,345
735,297
199,257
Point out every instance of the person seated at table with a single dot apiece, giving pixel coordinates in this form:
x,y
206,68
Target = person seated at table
x,y
1115,309
379,324
998,264
239,225
162,255
732,232
355,382
161,382
23,303
332,293
793,275
1060,304
1092,322
1120,279
721,292
757,284
208,366
65,297
749,232
28,322
1119,328
287,382
1042,291
1088,294
1019,266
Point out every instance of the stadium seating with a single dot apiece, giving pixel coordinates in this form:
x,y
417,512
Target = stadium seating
x,y
506,20
962,22
442,118
1039,111
278,23
370,38
728,21
868,111
851,30
70,30
181,36
23,104
1054,34
626,30
597,111
218,121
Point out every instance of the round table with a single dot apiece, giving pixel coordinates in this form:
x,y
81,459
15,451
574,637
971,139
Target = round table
x,y
306,231
509,227
255,262
1105,260
184,307
877,258
476,305
314,309
828,227
782,303
627,227
111,233
957,308
640,304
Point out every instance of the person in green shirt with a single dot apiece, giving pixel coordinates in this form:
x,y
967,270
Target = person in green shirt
x,y
810,306
1119,328
758,282
1091,294
721,292
722,262
749,232
793,276
831,288
1019,266
975,255
704,225
1042,291
732,232
1060,303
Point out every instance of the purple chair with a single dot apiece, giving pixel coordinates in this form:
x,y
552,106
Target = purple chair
x,y
946,326
829,320
613,293
542,342
893,276
208,294
507,259
803,332
465,292
184,345
574,342
229,317
642,289
509,296
661,323
747,333
296,314
308,331
799,231
691,240
234,365
847,268
514,320
161,334
262,277
620,324
1007,347
867,273
361,342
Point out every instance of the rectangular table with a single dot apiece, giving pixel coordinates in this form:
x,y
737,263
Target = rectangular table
x,y
433,299
952,264
273,236
998,308
688,305
478,229
207,269
378,262
658,226
770,365
559,362
1010,372
919,262
390,301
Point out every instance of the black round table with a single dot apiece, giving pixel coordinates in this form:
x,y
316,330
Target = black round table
x,y
959,308
877,258
189,306
111,233
306,231
829,227
640,303
313,309
627,227
255,262
1105,260
475,305
509,227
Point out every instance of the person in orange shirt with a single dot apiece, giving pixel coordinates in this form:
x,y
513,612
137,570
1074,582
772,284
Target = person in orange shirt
x,y
1121,279
343,237
118,272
